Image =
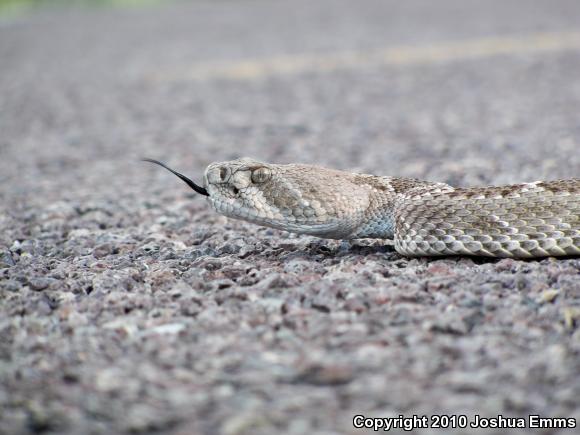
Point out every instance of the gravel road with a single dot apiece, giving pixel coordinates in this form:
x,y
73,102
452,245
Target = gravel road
x,y
128,306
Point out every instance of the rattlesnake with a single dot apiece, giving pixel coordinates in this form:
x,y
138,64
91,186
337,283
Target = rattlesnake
x,y
527,220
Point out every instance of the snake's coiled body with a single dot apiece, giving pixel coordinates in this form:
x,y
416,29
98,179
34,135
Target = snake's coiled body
x,y
524,220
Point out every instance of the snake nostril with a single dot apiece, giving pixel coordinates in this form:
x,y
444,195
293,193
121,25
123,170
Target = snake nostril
x,y
235,190
218,174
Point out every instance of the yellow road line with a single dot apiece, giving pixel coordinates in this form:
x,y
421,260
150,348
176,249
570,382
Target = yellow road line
x,y
253,69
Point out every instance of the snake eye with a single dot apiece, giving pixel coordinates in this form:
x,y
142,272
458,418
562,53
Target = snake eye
x,y
261,175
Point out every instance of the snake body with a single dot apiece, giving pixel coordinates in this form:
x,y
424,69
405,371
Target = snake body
x,y
527,220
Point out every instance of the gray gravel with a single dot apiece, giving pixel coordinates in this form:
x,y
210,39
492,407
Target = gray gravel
x,y
128,306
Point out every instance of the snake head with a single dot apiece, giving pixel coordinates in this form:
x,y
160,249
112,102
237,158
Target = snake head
x,y
298,198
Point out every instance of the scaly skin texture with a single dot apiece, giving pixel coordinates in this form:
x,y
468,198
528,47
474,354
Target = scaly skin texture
x,y
524,220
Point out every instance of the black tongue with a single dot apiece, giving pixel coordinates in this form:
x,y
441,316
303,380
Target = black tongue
x,y
190,183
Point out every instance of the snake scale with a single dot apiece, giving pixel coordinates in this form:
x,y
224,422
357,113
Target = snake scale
x,y
529,220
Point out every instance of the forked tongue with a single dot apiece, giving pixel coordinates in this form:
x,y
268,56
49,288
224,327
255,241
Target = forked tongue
x,y
187,181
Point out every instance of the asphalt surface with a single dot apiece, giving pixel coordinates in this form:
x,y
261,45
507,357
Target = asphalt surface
x,y
128,306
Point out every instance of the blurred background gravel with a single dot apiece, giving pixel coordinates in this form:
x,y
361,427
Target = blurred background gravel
x,y
128,306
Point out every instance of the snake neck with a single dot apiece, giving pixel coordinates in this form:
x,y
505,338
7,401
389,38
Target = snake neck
x,y
385,197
